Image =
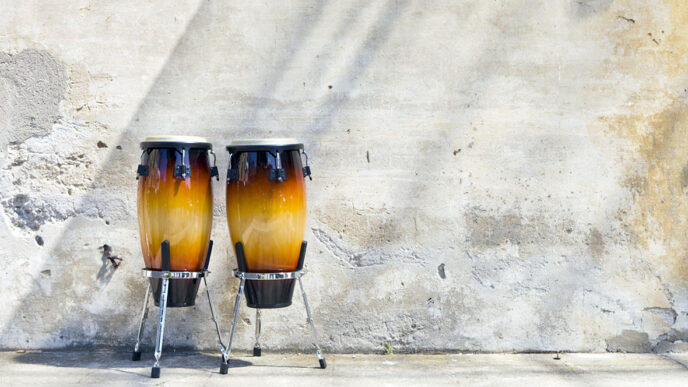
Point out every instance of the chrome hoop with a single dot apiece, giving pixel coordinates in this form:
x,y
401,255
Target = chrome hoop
x,y
173,274
268,276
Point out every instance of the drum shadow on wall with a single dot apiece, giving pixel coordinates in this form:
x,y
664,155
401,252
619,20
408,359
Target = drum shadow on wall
x,y
110,264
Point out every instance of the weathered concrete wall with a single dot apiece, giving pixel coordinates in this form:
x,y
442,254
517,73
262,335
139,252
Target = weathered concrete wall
x,y
489,176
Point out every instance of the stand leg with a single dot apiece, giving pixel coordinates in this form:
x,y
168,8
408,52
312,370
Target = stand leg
x,y
256,346
321,359
224,367
212,313
155,371
136,355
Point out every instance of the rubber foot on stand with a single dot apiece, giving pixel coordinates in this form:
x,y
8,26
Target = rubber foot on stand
x,y
323,363
155,372
224,367
136,356
256,351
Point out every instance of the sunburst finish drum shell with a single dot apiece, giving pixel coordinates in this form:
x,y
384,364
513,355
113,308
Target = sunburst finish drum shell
x,y
177,210
267,217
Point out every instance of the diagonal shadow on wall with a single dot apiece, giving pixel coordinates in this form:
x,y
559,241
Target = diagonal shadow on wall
x,y
187,62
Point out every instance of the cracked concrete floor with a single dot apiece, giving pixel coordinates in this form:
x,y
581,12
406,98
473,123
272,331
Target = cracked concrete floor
x,y
106,367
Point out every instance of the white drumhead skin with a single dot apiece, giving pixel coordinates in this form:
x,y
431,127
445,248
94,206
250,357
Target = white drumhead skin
x,y
265,141
187,139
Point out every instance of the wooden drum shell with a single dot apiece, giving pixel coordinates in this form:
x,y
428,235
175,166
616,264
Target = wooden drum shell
x,y
179,211
269,219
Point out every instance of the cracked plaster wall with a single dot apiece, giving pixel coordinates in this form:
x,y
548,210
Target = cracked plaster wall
x,y
488,176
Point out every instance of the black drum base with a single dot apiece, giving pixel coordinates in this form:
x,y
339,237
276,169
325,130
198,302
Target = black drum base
x,y
176,289
181,292
267,291
256,286
269,294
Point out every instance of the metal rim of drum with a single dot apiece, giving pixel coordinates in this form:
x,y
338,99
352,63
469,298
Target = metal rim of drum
x,y
284,275
187,142
148,273
259,145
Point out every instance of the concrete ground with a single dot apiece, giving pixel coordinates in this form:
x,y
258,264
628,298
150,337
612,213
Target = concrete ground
x,y
201,369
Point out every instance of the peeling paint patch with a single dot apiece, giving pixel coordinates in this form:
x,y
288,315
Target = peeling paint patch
x,y
35,83
494,230
629,341
587,8
31,213
366,229
363,258
667,314
487,230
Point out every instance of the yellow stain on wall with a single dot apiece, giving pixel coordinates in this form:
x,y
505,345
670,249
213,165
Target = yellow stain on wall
x,y
658,137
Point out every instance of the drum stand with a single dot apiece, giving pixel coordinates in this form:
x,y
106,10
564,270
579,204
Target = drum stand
x,y
242,274
166,275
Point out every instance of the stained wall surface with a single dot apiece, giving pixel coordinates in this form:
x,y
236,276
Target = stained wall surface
x,y
487,175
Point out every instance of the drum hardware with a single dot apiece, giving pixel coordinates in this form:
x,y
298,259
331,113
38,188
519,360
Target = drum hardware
x,y
232,174
182,170
243,276
166,275
142,170
277,174
306,168
213,170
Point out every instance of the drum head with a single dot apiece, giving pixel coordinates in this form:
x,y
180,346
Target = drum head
x,y
176,142
267,144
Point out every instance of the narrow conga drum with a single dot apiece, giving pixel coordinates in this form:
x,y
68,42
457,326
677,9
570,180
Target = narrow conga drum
x,y
175,204
266,214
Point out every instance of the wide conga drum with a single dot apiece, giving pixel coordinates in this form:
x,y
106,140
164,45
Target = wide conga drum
x,y
266,214
175,204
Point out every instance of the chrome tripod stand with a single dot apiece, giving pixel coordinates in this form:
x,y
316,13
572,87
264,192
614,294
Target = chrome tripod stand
x,y
243,276
166,276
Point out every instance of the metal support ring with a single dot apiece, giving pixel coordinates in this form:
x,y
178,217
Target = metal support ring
x,y
268,276
173,274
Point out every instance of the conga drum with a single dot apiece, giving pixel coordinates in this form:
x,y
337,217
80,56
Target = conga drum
x,y
266,214
175,204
